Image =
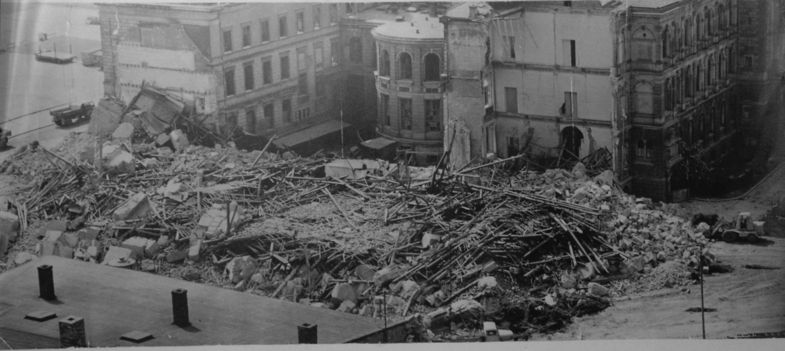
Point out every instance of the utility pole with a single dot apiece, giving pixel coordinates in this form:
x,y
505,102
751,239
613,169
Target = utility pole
x,y
703,310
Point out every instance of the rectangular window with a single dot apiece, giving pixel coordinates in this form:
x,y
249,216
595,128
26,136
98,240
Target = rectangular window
x,y
385,106
248,74
511,46
302,84
229,81
246,35
317,16
265,30
269,115
287,111
511,99
570,106
568,50
300,21
250,120
318,55
301,63
267,71
227,40
283,29
285,74
334,52
433,115
406,113
333,14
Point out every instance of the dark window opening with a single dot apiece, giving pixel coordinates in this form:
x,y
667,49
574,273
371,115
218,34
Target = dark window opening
x,y
432,70
385,109
250,120
317,16
287,111
229,81
227,40
269,115
284,67
433,115
265,30
406,113
511,99
246,35
384,69
405,66
300,21
248,75
282,26
267,72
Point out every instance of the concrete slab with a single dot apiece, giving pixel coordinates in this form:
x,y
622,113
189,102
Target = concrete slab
x,y
115,301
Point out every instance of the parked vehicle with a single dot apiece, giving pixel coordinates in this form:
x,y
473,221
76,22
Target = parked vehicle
x,y
72,114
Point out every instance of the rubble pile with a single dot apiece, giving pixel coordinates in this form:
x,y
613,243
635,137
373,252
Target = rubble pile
x,y
528,250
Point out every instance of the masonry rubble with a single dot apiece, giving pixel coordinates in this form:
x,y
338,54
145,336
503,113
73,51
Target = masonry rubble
x,y
543,245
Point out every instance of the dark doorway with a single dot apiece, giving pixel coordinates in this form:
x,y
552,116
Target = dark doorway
x,y
571,143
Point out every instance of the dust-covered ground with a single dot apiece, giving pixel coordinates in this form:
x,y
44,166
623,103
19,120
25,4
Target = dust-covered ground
x,y
746,301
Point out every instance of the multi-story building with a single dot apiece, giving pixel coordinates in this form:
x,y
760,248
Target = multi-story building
x,y
675,66
652,81
264,68
546,85
408,81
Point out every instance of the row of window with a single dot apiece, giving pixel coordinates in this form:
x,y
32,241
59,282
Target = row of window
x,y
404,68
283,27
696,77
303,63
433,113
701,25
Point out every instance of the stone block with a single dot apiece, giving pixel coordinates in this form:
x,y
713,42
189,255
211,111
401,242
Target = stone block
x,y
344,292
177,256
123,132
70,239
117,254
9,225
195,249
179,139
137,206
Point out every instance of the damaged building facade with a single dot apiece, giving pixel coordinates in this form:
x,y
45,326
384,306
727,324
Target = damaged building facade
x,y
260,68
409,85
655,83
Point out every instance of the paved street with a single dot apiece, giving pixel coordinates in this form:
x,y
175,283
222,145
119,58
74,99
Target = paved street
x,y
30,88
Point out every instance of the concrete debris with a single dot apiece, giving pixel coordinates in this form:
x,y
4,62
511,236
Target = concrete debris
x,y
115,160
23,257
138,206
179,140
123,133
9,225
344,236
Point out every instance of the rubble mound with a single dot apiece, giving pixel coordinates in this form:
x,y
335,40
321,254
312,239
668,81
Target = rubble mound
x,y
277,226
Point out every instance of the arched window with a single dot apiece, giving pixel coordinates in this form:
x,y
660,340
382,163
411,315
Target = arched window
x,y
404,66
707,19
355,50
432,67
721,16
686,32
698,27
384,64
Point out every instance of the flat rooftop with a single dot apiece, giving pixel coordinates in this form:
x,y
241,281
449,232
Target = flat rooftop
x,y
414,24
115,301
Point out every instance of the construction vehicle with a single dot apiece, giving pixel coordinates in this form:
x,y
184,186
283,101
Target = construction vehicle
x,y
72,114
4,136
743,230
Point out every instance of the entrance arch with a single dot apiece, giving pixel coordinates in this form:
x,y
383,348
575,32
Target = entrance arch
x,y
571,138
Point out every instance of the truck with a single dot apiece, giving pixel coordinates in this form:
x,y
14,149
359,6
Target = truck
x,y
72,114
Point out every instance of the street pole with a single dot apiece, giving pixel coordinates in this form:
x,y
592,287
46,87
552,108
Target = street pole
x,y
384,306
703,310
